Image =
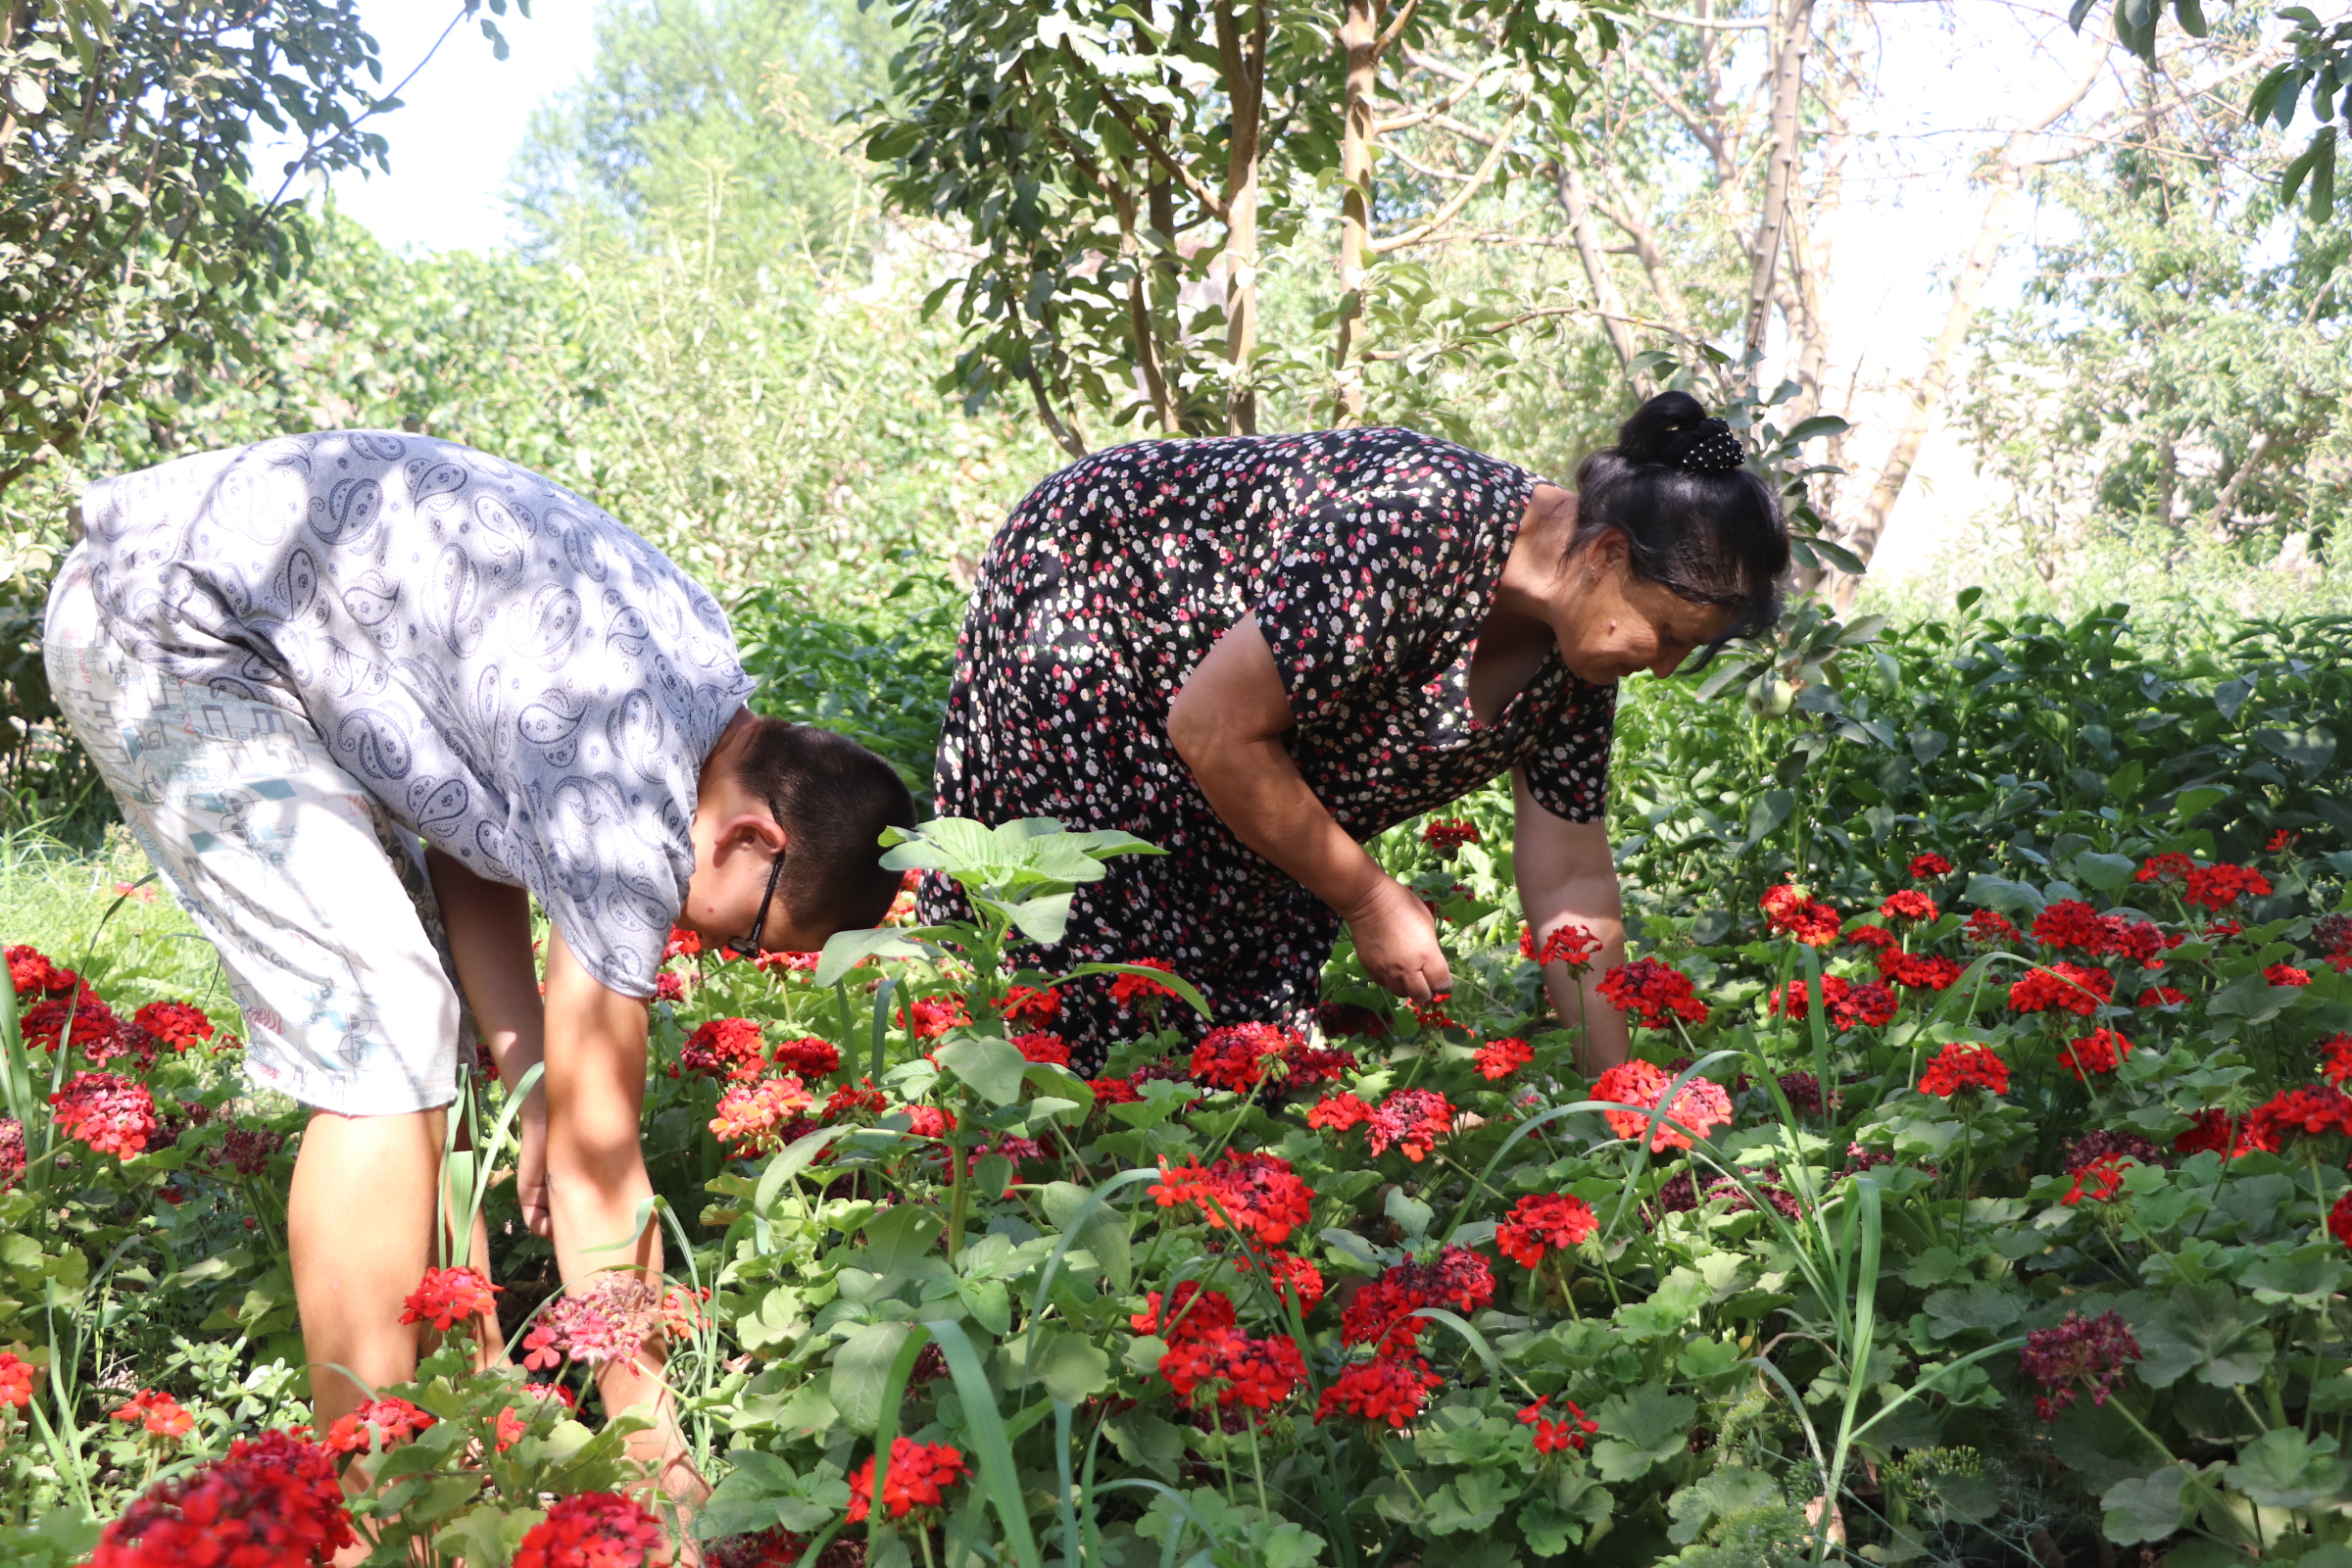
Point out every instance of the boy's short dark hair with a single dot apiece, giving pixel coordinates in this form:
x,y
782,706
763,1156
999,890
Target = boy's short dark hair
x,y
833,798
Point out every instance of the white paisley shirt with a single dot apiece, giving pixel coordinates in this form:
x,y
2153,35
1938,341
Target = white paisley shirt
x,y
518,678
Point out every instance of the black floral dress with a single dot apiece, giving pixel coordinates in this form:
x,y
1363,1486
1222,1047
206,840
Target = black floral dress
x,y
1371,559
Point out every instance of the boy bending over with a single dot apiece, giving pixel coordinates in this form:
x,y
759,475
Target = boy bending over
x,y
360,695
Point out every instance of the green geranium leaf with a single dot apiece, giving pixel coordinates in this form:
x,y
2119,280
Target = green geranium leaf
x,y
1471,1500
1971,1308
1645,1427
2283,1469
2205,1329
993,1067
2150,1508
860,1368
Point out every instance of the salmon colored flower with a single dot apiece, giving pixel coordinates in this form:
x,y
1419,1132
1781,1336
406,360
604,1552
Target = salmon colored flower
x,y
107,1111
1700,1107
753,1117
394,1421
159,1413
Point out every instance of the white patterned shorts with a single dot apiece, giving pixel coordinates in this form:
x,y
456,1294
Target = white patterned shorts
x,y
316,900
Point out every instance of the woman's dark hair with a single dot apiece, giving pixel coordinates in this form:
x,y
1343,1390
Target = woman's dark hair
x,y
1697,521
833,798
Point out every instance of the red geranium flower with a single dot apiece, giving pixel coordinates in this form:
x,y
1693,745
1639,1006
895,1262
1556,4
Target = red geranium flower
x,y
1908,904
1235,1056
1113,1092
682,943
1918,972
2067,987
1569,942
807,1056
1339,1112
1413,1119
2099,1181
1930,865
16,1381
107,1111
2216,1130
919,1476
395,1421
1809,920
159,1413
2100,1050
2339,1219
2162,997
34,975
933,1016
79,1019
1257,1189
2286,975
1541,1223
1987,928
1647,991
1958,1066
1034,1005
1386,1312
753,1117
2305,1112
1553,1436
724,1048
1129,988
1391,1389
1874,937
2080,1352
1039,1047
1445,837
1701,1106
1502,1057
2216,886
2068,923
178,1024
593,1529
851,1100
274,1501
446,1296
2164,869
2335,1059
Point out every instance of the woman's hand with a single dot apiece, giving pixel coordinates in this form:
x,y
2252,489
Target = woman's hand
x,y
1397,942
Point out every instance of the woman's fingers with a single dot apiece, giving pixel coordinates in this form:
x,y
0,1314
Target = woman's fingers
x,y
1397,942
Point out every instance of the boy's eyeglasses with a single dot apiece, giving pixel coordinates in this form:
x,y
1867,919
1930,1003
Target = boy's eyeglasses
x,y
749,946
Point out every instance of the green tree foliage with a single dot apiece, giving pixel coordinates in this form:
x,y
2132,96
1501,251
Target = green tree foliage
x,y
2175,374
125,224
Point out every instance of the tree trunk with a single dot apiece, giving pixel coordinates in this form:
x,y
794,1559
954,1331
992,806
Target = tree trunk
x,y
1927,391
1788,127
1605,295
1244,58
1359,43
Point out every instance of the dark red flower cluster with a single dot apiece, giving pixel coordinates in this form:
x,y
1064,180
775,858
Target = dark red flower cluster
x,y
79,1019
1446,837
2304,1112
1989,928
1789,911
2216,1131
2286,975
1384,1314
1960,1066
2216,886
669,987
2333,935
2079,1153
595,1530
2067,986
1341,1019
2339,1219
1036,1006
107,1111
1259,1191
395,1421
1930,865
1390,1388
1235,1056
2335,1059
1304,1066
271,1502
860,1099
1908,904
1648,992
446,1296
1039,1047
1700,1107
1292,1276
1569,1432
729,1048
1918,972
180,1025
1543,1222
2101,1050
1206,1347
2169,997
809,1056
2068,923
1129,988
2080,1352
1569,942
34,975
2164,869
1413,1120
1500,1058
1877,938
919,1476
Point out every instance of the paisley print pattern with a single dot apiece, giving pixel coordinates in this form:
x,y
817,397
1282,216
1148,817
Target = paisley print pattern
x,y
520,679
1371,559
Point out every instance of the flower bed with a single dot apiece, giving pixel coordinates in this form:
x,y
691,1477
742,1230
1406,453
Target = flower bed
x,y
1921,1230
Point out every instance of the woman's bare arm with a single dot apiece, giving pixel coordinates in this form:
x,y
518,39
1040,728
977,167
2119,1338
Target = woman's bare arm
x,y
489,925
1228,722
1568,877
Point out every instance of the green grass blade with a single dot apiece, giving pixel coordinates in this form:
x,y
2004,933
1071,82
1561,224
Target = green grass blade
x,y
987,1424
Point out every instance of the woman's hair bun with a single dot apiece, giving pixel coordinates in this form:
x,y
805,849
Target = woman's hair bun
x,y
1674,429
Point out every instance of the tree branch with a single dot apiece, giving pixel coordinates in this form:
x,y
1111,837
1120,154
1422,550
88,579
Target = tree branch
x,y
1147,140
1460,198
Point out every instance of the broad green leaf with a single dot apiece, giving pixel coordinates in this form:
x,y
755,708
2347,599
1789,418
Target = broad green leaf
x,y
2207,1330
1471,1500
1971,1308
1071,1367
861,1367
1643,1427
2308,749
1717,1495
2283,1469
2307,1278
2150,1508
2106,872
846,950
989,1065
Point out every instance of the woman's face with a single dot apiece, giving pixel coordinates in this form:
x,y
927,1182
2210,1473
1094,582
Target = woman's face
x,y
1610,623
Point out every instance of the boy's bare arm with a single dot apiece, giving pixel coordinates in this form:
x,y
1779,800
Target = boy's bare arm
x,y
489,925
